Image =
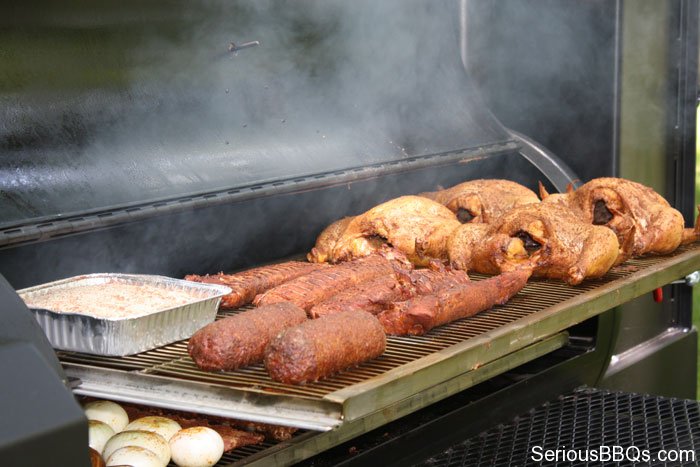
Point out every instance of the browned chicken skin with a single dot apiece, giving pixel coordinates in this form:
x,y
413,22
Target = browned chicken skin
x,y
327,240
481,201
414,225
473,201
642,219
548,239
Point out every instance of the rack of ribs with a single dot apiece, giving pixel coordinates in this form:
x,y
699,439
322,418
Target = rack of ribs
x,y
246,285
378,294
422,313
317,286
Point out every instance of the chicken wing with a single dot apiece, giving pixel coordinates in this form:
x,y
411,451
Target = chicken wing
x,y
548,239
483,200
414,225
326,241
643,220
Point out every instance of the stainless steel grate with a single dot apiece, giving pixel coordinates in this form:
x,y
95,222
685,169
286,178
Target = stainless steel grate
x,y
167,377
239,454
173,360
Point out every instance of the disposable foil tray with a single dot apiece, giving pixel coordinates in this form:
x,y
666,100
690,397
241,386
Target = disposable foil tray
x,y
118,336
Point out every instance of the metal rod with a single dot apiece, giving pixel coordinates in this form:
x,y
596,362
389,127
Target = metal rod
x,y
233,47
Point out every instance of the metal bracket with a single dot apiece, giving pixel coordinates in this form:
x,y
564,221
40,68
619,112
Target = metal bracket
x,y
211,399
551,166
691,280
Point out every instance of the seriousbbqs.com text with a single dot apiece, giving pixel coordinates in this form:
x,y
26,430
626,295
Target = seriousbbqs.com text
x,y
612,453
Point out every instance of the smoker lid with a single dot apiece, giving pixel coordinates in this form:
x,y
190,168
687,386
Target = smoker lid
x,y
139,104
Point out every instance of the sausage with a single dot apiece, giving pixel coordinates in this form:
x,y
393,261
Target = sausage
x,y
318,348
418,315
241,339
315,287
247,284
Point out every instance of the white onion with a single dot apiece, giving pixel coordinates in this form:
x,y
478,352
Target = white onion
x,y
196,447
107,412
145,439
134,456
161,425
99,433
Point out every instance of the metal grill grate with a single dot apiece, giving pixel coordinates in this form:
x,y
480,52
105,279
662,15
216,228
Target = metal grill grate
x,y
173,360
584,420
239,454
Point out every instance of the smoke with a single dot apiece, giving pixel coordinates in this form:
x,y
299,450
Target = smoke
x,y
548,69
333,84
171,112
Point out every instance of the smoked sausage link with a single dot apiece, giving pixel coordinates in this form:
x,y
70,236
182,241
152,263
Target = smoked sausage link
x,y
241,339
321,347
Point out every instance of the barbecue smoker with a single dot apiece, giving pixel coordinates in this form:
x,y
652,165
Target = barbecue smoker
x,y
194,137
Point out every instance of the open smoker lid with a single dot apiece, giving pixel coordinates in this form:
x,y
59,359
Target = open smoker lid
x,y
107,108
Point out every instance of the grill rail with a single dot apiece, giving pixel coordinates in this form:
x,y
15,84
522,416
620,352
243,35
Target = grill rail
x,y
167,377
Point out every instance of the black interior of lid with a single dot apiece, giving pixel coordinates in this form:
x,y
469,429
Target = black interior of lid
x,y
106,104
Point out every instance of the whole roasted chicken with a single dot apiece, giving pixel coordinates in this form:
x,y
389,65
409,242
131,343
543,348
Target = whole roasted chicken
x,y
414,225
547,239
643,220
483,200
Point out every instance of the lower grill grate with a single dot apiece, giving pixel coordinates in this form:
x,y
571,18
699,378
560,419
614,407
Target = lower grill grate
x,y
239,454
583,421
244,452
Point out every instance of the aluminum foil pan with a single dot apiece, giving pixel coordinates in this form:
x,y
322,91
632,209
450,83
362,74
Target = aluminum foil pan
x,y
131,334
